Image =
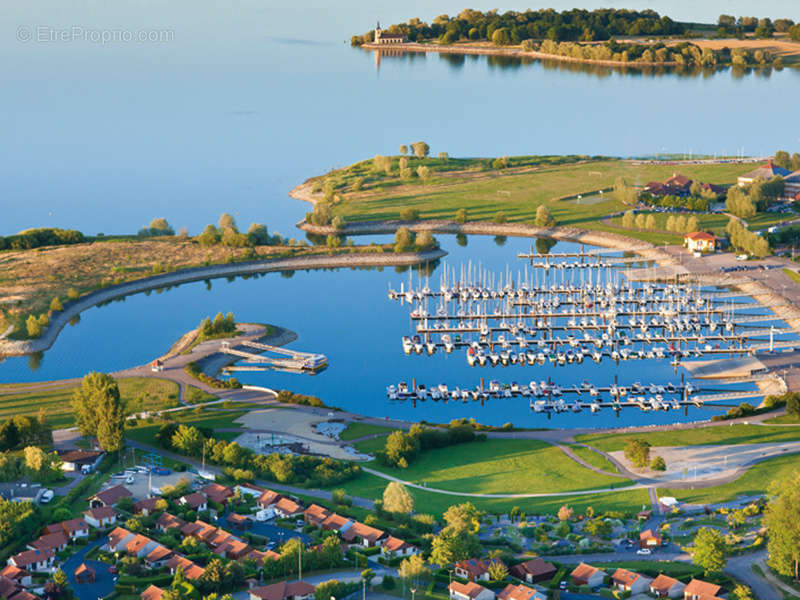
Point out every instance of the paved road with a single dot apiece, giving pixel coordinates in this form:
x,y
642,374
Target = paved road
x,y
104,583
740,568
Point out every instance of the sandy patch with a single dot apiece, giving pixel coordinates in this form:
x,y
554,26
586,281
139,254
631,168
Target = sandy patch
x,y
697,463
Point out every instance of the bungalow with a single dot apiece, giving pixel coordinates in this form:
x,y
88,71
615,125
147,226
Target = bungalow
x,y
102,516
13,590
650,539
316,514
469,591
268,498
297,590
145,506
196,501
233,549
364,535
287,508
700,590
585,574
85,461
166,521
158,557
520,592
118,539
533,571
17,575
393,546
85,574
628,581
73,528
33,560
766,172
474,569
55,542
109,496
337,523
140,546
700,241
261,557
190,569
152,593
666,587
217,493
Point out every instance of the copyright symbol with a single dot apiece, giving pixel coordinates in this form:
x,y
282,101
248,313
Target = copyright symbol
x,y
24,34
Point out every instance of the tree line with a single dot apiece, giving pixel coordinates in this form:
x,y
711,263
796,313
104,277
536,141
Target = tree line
x,y
572,25
745,202
402,448
742,238
731,26
38,238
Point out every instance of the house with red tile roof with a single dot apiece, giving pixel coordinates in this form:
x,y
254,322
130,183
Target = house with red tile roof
x,y
195,501
102,516
117,539
17,575
145,506
650,539
85,574
700,241
316,514
765,172
217,493
233,549
629,581
286,508
50,541
469,591
166,521
268,498
13,590
191,570
337,523
520,592
393,546
474,569
72,528
667,587
140,546
700,590
33,560
158,557
364,535
585,574
533,571
296,590
109,496
152,593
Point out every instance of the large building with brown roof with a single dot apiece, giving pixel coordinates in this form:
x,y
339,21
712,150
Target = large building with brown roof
x,y
533,571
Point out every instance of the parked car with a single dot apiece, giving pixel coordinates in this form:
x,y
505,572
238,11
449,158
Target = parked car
x,y
562,585
644,551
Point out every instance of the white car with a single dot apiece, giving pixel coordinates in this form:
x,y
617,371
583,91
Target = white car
x,y
47,495
644,551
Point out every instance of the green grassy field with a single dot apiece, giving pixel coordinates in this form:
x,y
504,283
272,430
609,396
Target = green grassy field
x,y
356,430
755,481
722,434
593,458
371,446
499,466
793,275
516,192
139,393
372,486
785,419
212,419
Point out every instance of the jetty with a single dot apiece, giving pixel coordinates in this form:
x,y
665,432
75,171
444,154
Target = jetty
x,y
264,355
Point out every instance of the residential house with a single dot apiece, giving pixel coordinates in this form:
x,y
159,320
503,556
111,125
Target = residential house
x,y
268,498
260,557
13,590
474,569
286,508
166,521
666,587
217,493
697,589
196,501
316,514
393,546
56,542
791,189
190,569
765,172
85,574
296,590
109,496
100,517
85,461
520,592
585,574
118,539
73,528
469,591
364,535
628,581
233,549
158,557
238,521
140,546
249,489
145,506
33,560
533,571
152,593
337,523
17,575
644,515
650,539
700,241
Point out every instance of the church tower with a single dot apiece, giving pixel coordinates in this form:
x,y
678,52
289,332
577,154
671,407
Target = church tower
x,y
378,33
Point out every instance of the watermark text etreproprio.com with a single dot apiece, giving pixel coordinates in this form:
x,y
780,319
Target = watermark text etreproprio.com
x,y
47,34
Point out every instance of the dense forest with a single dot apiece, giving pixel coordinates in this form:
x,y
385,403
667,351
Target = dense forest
x,y
570,25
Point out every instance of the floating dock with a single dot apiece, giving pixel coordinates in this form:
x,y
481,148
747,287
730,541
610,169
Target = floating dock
x,y
291,360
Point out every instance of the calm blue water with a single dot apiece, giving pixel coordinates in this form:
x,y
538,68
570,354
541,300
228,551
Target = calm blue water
x,y
250,97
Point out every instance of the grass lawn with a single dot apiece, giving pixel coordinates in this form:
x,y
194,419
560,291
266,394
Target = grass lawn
x,y
372,486
357,430
754,482
785,419
593,458
372,445
146,433
793,275
197,396
139,393
517,192
721,434
499,466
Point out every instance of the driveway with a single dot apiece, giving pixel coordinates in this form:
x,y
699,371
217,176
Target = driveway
x,y
272,532
104,583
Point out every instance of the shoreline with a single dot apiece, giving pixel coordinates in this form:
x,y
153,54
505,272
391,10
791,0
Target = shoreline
x,y
60,319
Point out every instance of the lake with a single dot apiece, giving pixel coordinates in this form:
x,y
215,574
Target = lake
x,y
242,101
